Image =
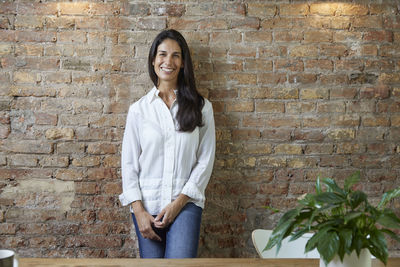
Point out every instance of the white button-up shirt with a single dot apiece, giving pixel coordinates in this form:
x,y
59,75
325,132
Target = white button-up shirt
x,y
158,161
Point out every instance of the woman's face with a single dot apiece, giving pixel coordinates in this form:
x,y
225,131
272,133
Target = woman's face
x,y
168,62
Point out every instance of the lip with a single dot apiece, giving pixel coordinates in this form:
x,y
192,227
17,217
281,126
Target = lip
x,y
167,70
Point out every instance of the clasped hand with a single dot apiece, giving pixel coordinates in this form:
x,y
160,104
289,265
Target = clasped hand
x,y
162,220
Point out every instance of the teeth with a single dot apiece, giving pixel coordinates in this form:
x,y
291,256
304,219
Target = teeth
x,y
167,69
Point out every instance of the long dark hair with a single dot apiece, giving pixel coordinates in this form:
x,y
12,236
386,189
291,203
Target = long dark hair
x,y
189,100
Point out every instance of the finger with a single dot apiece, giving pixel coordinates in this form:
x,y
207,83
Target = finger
x,y
159,216
154,236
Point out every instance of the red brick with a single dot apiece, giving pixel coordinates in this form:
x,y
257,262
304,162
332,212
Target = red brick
x,y
230,8
249,23
245,134
309,135
378,92
380,36
151,23
351,9
242,51
272,78
318,36
74,8
334,50
277,134
101,173
288,36
274,189
292,65
35,36
293,9
374,22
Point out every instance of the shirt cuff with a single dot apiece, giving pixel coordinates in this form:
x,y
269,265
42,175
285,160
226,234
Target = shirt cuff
x,y
191,190
129,196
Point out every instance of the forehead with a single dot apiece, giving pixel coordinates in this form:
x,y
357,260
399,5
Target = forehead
x,y
169,45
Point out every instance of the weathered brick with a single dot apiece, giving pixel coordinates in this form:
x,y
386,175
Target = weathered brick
x,y
293,9
70,148
245,134
270,107
375,120
29,22
70,174
27,146
323,9
169,9
304,51
21,160
247,23
318,121
317,93
60,133
351,9
288,149
26,77
101,148
35,36
101,173
54,161
341,134
87,161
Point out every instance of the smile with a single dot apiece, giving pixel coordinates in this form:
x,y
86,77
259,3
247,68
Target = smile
x,y
167,69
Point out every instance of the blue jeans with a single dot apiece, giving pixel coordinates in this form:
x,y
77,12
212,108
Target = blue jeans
x,y
179,240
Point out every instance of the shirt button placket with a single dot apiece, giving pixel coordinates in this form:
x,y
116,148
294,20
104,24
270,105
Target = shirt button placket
x,y
169,158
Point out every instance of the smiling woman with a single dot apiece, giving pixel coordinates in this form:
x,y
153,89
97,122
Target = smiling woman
x,y
168,153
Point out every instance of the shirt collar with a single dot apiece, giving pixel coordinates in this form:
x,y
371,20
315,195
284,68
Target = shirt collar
x,y
153,94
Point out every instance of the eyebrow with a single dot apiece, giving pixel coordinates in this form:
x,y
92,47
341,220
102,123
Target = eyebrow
x,y
163,51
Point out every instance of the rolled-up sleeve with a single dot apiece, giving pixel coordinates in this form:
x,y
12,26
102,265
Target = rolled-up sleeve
x,y
130,160
201,172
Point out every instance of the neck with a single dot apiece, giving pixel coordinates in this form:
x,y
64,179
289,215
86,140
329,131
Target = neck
x,y
167,87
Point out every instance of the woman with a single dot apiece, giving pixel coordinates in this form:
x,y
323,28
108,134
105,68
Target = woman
x,y
167,154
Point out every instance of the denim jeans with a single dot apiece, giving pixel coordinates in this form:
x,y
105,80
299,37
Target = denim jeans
x,y
179,240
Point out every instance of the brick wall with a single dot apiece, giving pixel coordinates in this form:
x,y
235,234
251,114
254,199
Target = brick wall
x,y
298,89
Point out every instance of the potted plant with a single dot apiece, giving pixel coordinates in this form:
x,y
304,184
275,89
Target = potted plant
x,y
342,221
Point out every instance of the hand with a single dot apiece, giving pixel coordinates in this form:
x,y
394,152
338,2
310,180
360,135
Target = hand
x,y
169,213
145,221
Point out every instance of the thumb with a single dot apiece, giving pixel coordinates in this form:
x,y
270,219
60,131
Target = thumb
x,y
160,215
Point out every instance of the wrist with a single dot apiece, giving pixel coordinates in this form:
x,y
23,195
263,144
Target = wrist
x,y
182,200
137,207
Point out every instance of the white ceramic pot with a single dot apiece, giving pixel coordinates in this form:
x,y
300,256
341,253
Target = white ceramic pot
x,y
350,260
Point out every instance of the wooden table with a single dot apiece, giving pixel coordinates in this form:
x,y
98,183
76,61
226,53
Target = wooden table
x,y
199,262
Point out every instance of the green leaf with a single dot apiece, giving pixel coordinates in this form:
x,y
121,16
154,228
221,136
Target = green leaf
x,y
316,238
351,180
329,248
389,219
357,243
329,197
352,215
282,229
332,186
379,246
345,237
356,198
318,188
298,234
391,234
388,196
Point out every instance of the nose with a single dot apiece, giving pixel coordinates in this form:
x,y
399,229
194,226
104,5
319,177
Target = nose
x,y
168,60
